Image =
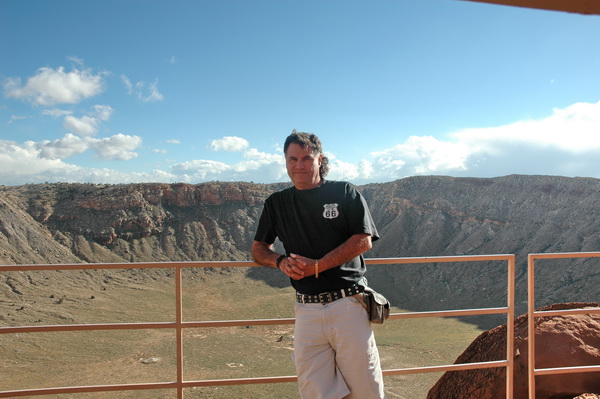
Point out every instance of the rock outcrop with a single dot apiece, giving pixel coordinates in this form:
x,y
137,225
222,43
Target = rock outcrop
x,y
561,341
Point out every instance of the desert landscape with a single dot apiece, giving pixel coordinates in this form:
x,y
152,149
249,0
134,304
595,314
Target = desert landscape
x,y
426,216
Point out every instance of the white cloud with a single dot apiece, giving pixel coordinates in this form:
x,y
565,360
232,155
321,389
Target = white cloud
x,y
565,143
118,147
55,86
264,157
20,163
256,166
340,170
62,148
366,169
420,155
102,112
574,129
143,91
153,93
32,162
14,118
259,166
56,113
84,126
173,141
88,125
76,60
127,83
229,143
199,170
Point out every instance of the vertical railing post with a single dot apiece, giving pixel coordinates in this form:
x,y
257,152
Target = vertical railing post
x,y
179,330
531,326
510,329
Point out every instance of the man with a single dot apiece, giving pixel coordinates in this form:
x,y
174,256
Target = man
x,y
325,226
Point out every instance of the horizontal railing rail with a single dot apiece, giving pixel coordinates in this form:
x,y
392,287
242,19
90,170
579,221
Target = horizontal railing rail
x,y
532,314
179,325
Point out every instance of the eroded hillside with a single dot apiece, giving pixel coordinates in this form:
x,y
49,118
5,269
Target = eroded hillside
x,y
417,216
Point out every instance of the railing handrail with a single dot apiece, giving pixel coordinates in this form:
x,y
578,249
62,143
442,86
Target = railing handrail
x,y
532,371
179,325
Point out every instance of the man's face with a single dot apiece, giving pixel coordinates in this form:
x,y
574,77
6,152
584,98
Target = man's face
x,y
303,166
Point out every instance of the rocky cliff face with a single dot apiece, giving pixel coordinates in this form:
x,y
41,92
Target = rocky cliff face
x,y
417,216
58,223
444,216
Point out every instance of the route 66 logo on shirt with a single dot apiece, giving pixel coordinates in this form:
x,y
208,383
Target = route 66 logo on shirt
x,y
331,211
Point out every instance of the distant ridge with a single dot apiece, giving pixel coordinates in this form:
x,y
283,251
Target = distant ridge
x,y
416,216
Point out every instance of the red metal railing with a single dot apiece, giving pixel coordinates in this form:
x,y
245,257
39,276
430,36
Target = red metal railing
x,y
179,325
509,310
532,314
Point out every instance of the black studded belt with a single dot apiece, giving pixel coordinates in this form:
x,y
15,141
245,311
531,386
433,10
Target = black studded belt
x,y
327,297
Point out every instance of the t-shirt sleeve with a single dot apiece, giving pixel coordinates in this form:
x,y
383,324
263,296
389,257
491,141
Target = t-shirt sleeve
x,y
361,221
265,231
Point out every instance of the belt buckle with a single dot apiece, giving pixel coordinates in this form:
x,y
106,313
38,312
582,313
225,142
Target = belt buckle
x,y
325,297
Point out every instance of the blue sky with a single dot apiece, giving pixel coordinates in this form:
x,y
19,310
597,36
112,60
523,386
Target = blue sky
x,y
121,91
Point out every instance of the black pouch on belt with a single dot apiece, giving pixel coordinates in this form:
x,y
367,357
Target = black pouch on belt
x,y
378,307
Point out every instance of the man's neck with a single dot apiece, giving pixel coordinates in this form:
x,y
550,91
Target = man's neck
x,y
307,186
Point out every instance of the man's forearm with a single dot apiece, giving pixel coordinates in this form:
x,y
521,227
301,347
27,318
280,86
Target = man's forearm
x,y
264,255
353,247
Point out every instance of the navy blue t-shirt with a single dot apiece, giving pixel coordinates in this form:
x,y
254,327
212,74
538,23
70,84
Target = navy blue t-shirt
x,y
313,222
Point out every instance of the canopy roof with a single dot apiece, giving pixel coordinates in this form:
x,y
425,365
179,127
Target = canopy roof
x,y
576,6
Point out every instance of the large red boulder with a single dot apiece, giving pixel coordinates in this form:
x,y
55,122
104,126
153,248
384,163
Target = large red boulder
x,y
561,341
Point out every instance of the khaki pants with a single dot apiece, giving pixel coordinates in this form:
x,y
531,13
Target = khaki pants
x,y
335,352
